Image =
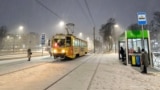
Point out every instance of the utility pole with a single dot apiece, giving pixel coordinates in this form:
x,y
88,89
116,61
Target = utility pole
x,y
94,38
115,39
14,36
143,37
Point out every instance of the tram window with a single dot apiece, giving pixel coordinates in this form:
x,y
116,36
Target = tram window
x,y
68,41
80,43
76,42
60,42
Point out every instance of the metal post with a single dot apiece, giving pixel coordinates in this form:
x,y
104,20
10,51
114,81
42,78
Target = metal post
x,y
94,38
143,37
115,39
13,43
42,50
115,46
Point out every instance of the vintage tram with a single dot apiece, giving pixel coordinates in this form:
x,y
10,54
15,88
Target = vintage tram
x,y
68,46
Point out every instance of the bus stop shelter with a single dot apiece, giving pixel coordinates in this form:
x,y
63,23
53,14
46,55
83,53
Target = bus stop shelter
x,y
133,41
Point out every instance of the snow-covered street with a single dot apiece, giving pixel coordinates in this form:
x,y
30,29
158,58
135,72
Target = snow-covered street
x,y
90,72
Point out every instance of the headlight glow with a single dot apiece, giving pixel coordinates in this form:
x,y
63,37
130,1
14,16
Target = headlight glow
x,y
63,51
55,51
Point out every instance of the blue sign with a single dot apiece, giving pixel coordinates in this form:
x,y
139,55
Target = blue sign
x,y
43,36
142,19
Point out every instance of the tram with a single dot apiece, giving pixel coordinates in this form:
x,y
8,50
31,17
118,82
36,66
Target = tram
x,y
68,46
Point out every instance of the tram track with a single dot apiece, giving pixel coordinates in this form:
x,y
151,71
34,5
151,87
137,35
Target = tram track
x,y
11,72
52,84
89,86
21,62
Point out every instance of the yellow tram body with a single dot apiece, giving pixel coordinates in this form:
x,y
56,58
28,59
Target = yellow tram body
x,y
68,46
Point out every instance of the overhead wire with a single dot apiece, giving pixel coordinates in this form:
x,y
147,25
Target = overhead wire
x,y
92,22
44,6
83,11
89,12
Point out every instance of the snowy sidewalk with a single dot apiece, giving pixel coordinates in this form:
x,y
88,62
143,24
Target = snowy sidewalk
x,y
112,75
21,55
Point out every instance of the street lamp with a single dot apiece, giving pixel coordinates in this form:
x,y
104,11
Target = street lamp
x,y
19,37
8,37
61,24
87,38
7,42
21,28
80,35
116,26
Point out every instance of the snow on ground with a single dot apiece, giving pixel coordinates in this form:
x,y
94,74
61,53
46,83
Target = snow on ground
x,y
37,78
110,75
80,78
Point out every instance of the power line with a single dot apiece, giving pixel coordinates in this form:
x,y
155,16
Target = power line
x,y
83,11
44,6
89,12
92,22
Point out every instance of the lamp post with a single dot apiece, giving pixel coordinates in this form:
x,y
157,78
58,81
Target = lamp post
x,y
94,39
7,41
116,26
20,30
14,42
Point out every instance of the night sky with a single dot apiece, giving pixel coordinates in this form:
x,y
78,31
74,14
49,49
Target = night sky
x,y
36,18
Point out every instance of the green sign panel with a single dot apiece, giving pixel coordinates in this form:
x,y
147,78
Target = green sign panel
x,y
137,34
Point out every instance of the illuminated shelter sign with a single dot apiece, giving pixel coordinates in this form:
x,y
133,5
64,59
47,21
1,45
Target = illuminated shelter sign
x,y
135,34
142,19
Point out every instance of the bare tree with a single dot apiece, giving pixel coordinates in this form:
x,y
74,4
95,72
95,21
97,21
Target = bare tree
x,y
154,28
157,19
107,34
137,27
3,32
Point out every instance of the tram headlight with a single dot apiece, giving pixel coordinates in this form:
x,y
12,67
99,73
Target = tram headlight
x,y
54,51
63,51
